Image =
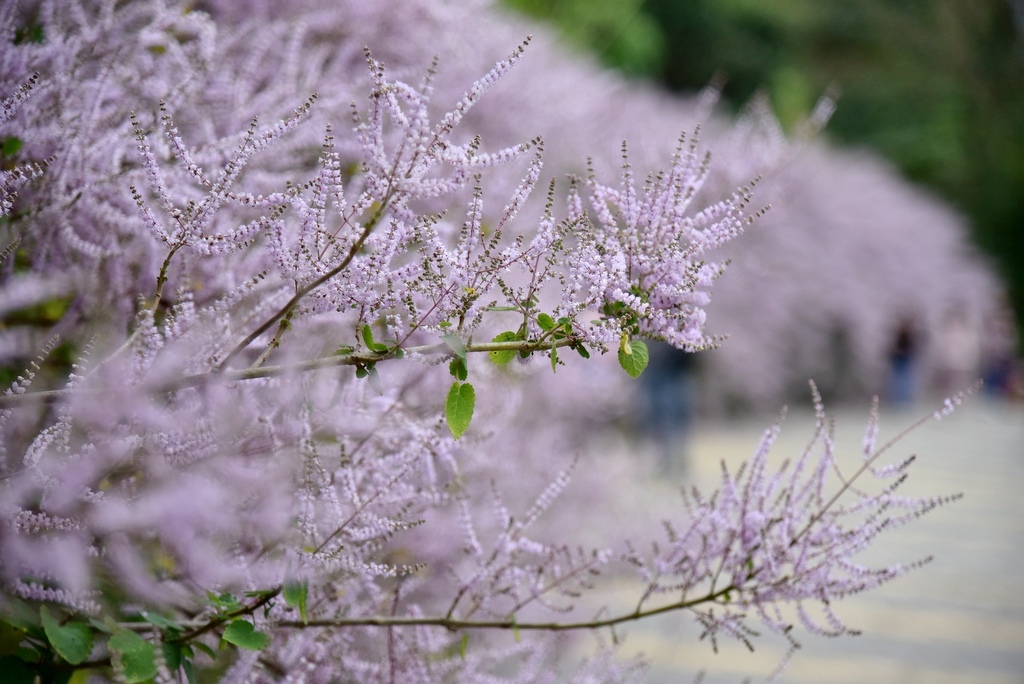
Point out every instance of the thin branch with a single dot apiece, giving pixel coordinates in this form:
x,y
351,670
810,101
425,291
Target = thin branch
x,y
454,624
848,484
161,281
199,629
285,310
217,620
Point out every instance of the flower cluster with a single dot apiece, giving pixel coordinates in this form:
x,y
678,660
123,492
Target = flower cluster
x,y
771,541
644,263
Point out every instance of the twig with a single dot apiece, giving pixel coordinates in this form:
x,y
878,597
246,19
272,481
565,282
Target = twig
x,y
454,624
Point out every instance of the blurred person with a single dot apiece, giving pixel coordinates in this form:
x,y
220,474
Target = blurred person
x,y
669,389
903,364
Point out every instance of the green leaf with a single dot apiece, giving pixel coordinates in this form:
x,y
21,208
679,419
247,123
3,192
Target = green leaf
x,y
241,633
10,638
546,322
172,656
20,614
33,33
458,368
463,645
72,640
633,357
458,408
456,345
370,344
138,656
554,359
101,626
158,620
296,594
581,350
503,357
205,649
224,602
190,671
9,146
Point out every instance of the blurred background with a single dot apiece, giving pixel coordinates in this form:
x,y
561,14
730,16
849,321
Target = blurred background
x,y
935,89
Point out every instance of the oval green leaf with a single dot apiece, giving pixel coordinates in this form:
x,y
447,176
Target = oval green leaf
x,y
296,594
370,343
10,146
10,638
241,633
458,368
72,641
458,408
635,361
138,656
456,345
504,356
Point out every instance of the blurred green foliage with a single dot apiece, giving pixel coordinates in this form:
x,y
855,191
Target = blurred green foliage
x,y
619,32
937,86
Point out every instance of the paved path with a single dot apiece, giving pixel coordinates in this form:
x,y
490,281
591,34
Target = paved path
x,y
959,620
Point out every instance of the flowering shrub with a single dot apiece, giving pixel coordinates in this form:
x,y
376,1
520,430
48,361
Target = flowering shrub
x,y
304,435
